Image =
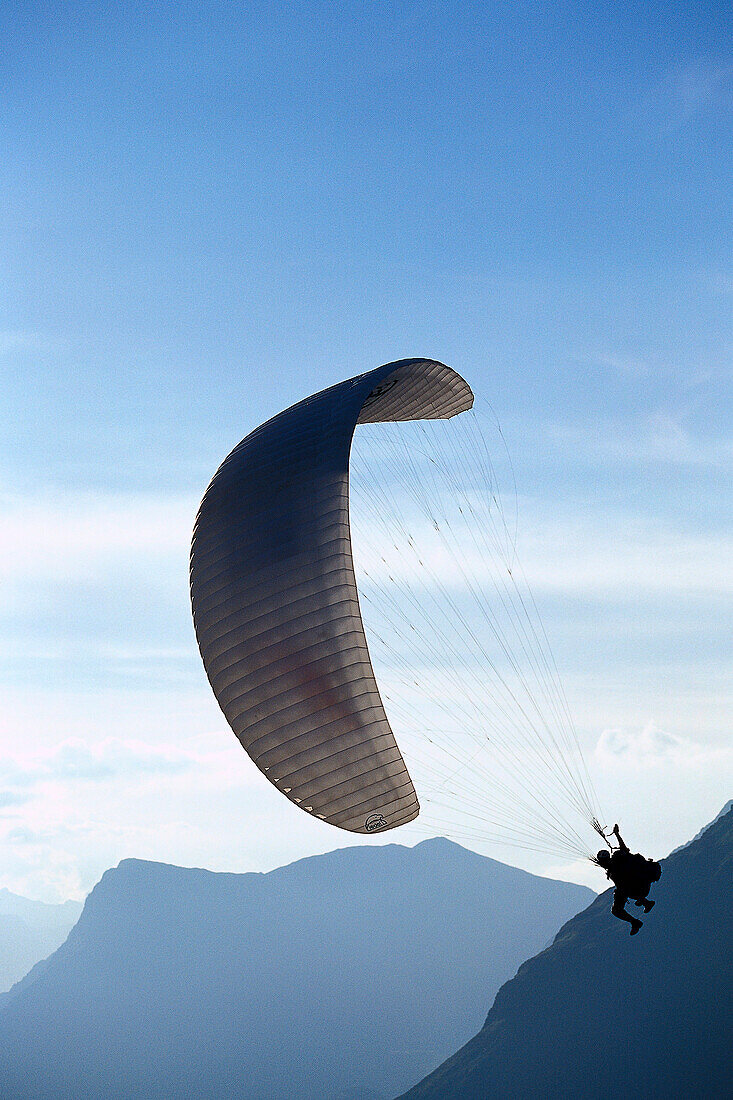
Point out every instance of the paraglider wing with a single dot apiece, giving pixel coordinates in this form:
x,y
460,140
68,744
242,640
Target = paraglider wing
x,y
275,603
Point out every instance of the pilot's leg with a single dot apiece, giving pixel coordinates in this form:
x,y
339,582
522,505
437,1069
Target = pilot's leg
x,y
619,910
645,902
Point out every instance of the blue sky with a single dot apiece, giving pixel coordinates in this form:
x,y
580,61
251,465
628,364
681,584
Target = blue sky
x,y
211,210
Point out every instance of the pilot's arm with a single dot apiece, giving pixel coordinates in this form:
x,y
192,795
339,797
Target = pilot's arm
x,y
622,846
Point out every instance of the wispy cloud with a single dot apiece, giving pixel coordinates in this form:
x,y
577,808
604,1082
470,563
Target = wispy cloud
x,y
717,282
661,437
18,340
604,554
76,759
84,536
625,365
12,798
28,835
686,92
95,590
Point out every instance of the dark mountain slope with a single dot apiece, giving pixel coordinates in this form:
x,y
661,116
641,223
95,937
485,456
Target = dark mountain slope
x,y
601,1015
349,974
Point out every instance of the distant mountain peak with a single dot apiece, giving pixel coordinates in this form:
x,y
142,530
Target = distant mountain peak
x,y
29,931
350,973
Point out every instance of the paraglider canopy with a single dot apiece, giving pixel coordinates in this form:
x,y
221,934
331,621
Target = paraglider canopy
x,y
275,602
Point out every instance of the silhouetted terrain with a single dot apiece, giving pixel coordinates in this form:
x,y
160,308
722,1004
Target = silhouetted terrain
x,y
345,975
601,1015
29,931
728,806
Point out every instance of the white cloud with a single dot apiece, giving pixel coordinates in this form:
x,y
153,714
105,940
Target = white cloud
x,y
82,806
651,746
662,787
86,537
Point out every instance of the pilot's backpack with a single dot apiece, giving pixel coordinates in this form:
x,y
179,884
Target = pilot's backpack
x,y
644,872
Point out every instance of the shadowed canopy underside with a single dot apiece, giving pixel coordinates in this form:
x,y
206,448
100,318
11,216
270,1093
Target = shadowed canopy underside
x,y
275,603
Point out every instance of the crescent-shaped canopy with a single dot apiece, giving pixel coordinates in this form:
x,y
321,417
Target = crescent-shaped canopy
x,y
275,603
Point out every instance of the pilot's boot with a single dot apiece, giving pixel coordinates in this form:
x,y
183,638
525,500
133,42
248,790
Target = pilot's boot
x,y
635,925
647,905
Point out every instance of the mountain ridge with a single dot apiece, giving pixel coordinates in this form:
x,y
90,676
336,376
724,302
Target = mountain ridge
x,y
307,981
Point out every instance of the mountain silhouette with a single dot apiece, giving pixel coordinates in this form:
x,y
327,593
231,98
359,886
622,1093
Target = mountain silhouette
x,y
29,931
601,1015
346,976
728,806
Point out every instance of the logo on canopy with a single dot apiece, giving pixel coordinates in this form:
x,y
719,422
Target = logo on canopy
x,y
374,822
380,390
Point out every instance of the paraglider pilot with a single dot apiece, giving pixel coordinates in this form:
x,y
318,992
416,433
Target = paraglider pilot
x,y
632,875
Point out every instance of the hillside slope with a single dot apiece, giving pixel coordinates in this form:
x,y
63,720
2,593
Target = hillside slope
x,y
599,1014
